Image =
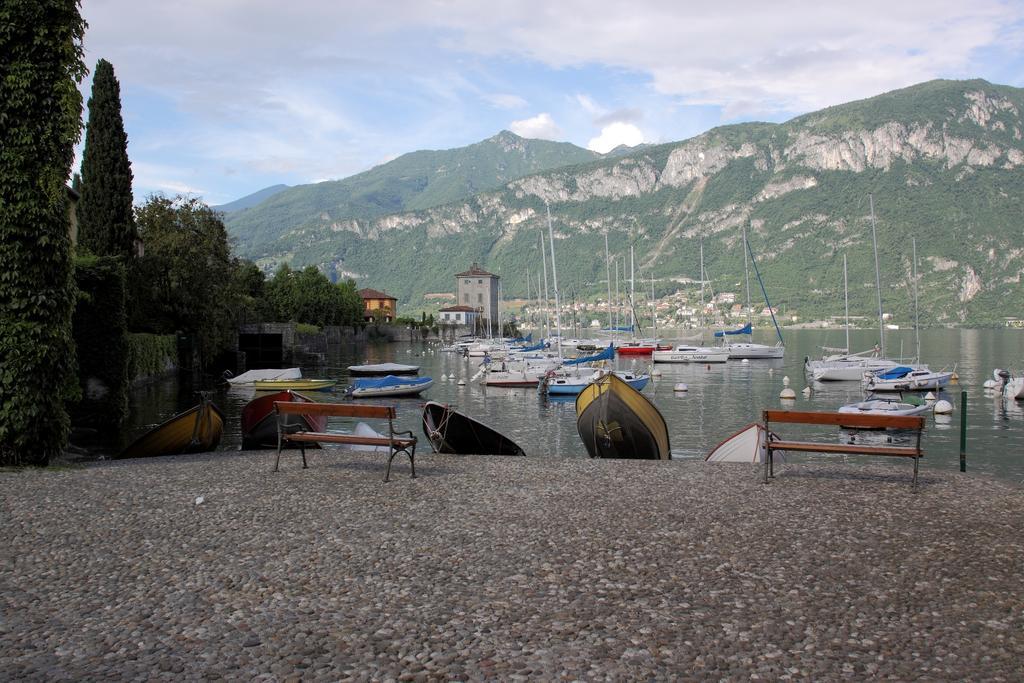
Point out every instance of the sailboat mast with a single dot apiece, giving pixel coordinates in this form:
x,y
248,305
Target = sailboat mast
x,y
917,330
878,279
617,306
544,260
846,298
554,280
608,277
746,273
632,292
702,284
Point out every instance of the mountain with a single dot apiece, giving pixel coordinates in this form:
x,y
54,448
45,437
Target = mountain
x,y
251,199
944,161
418,180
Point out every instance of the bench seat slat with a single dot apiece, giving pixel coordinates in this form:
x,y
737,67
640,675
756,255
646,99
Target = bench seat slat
x,y
844,419
348,438
808,447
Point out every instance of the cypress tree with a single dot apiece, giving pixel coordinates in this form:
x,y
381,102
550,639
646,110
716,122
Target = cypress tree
x,y
105,217
40,113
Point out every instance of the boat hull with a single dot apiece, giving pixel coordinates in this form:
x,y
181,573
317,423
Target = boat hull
x,y
574,387
755,351
616,421
196,430
691,356
259,423
383,369
395,391
295,384
449,431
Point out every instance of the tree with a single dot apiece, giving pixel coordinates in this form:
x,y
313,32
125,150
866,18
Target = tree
x,y
187,274
106,222
40,111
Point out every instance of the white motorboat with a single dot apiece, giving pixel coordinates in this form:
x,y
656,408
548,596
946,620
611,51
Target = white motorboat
x,y
1011,387
683,353
903,405
847,367
905,378
389,386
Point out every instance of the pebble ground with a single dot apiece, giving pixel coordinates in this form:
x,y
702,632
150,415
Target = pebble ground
x,y
507,569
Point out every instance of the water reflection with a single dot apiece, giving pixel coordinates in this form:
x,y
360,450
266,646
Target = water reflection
x,y
722,398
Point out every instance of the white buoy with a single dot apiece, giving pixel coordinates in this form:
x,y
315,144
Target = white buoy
x,y
989,384
451,376
787,393
806,391
771,371
680,386
462,382
745,360
443,377
785,380
655,372
943,408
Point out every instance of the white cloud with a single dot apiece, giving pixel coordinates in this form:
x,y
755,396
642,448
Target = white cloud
x,y
505,101
539,127
615,134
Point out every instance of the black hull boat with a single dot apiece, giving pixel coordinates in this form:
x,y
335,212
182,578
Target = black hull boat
x,y
617,421
259,423
450,431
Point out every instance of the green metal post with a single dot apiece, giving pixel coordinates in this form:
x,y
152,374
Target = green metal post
x,y
963,431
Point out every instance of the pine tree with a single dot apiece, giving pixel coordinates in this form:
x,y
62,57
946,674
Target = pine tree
x,y
41,111
105,218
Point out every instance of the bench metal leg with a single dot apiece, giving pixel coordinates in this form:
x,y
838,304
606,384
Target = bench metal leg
x,y
302,447
771,466
915,474
767,459
412,461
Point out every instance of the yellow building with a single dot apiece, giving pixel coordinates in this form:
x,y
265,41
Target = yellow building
x,y
378,306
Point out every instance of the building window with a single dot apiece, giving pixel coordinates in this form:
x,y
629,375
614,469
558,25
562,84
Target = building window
x,y
479,298
467,282
446,316
479,282
465,297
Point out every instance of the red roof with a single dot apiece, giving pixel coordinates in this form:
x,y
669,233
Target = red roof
x,y
459,309
475,271
368,293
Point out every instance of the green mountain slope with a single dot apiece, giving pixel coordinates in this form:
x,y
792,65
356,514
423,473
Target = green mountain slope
x,y
413,181
944,162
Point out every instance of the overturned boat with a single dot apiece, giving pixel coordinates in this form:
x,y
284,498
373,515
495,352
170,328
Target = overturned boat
x,y
196,430
617,421
449,431
746,445
259,423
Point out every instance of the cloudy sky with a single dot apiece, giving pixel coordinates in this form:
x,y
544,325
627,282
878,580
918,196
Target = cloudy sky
x,y
222,98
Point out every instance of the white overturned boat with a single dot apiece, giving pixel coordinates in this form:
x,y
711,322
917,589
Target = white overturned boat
x,y
746,445
384,369
692,354
905,378
249,379
389,386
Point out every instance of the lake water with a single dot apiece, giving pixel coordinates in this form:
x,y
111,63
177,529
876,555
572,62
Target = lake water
x,y
721,399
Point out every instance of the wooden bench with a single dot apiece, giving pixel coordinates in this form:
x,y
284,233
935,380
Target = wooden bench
x,y
394,442
857,421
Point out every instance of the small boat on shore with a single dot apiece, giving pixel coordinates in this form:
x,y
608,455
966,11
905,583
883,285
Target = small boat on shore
x,y
389,385
617,421
449,431
746,445
383,369
196,430
259,424
295,384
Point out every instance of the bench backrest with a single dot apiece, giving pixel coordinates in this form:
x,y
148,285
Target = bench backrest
x,y
845,419
334,409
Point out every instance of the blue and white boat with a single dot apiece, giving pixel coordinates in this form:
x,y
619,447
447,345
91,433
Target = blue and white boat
x,y
389,386
906,378
571,381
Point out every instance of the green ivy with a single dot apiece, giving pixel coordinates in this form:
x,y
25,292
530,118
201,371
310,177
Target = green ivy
x,y
151,355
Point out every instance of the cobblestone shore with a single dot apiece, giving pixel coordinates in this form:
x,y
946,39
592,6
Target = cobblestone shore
x,y
507,568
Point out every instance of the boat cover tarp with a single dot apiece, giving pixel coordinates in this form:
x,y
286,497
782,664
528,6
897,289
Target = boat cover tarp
x,y
389,381
607,354
746,329
746,445
272,373
536,347
520,340
895,373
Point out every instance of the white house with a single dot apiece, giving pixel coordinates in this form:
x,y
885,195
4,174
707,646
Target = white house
x,y
458,315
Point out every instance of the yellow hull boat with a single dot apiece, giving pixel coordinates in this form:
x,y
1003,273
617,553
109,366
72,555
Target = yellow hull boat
x,y
295,384
196,430
617,421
